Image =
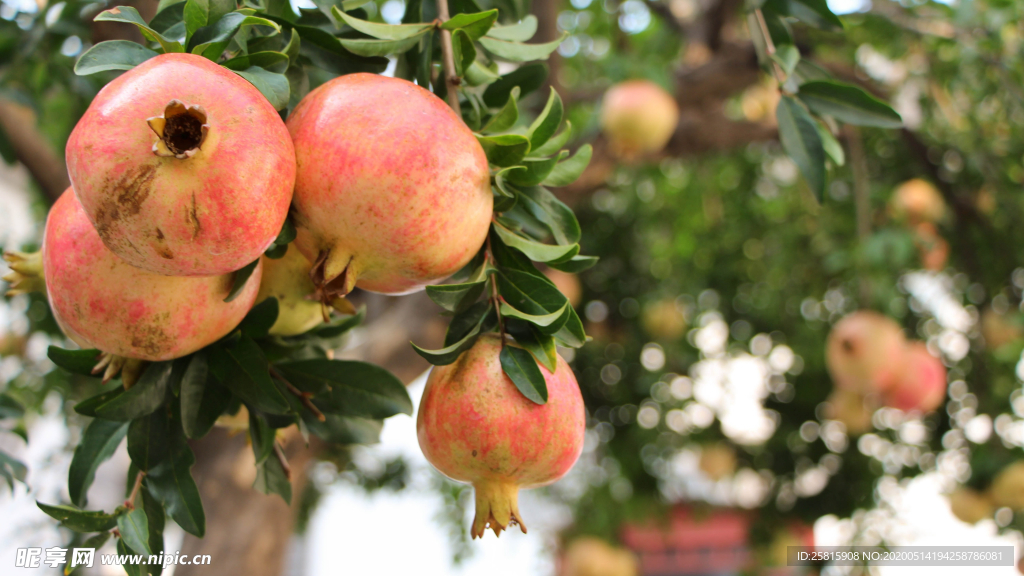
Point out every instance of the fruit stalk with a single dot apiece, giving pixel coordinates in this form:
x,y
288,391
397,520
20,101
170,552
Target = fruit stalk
x,y
451,80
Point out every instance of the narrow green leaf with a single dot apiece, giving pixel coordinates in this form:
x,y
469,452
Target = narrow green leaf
x,y
260,318
536,170
79,520
130,15
475,25
501,182
547,123
520,32
203,398
464,51
273,62
354,388
567,171
271,479
516,52
848,104
456,297
88,406
522,368
571,333
248,377
141,399
344,429
74,361
506,149
210,41
261,436
12,469
551,211
155,520
242,276
549,320
541,345
786,56
528,78
148,439
534,250
505,118
382,31
801,142
130,568
99,441
379,47
168,17
451,352
10,408
832,146
575,265
555,143
112,55
196,15
134,528
813,12
473,318
171,483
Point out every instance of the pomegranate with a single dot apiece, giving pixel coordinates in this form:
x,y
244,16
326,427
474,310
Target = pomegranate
x,y
931,247
589,556
475,426
922,384
717,460
184,168
865,352
105,303
917,201
1007,488
851,408
287,279
638,117
970,506
393,191
663,320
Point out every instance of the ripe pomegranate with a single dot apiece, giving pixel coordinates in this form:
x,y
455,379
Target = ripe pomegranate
x,y
588,556
1007,488
865,352
663,320
970,506
475,426
287,279
917,201
393,191
638,117
105,303
184,168
922,384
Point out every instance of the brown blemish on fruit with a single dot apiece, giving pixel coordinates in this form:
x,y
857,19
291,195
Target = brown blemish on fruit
x,y
150,338
159,234
124,199
165,253
192,217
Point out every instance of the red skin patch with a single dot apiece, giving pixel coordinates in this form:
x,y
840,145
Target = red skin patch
x,y
922,385
209,214
103,302
389,181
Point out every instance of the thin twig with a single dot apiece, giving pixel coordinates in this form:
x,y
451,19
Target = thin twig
x,y
861,199
451,79
494,292
769,47
303,397
282,460
130,502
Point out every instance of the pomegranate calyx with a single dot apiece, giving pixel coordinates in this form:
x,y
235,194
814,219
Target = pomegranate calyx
x,y
497,508
26,273
333,282
181,130
112,364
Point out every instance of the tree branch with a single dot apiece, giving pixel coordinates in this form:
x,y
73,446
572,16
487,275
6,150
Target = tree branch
x,y
451,79
32,149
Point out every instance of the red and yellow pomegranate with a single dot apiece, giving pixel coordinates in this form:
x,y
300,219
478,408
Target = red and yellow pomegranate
x,y
393,190
851,408
638,117
865,352
970,506
103,302
922,385
917,201
475,426
183,167
287,279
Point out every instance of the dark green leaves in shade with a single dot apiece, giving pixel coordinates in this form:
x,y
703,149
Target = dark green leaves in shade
x,y
130,15
522,368
349,388
848,104
134,528
11,469
812,12
517,52
79,520
272,479
239,280
112,55
800,140
74,361
99,441
456,297
141,399
171,483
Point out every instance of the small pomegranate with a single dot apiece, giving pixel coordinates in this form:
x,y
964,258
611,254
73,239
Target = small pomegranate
x,y
475,426
922,385
393,191
917,201
851,408
1007,487
717,460
865,351
287,279
663,320
638,117
105,303
970,506
184,168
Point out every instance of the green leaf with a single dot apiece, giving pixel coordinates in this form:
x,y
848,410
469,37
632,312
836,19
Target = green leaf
x,y
506,117
547,123
567,171
500,182
148,438
555,143
155,520
832,146
196,15
171,483
10,408
541,345
528,78
534,250
203,398
379,47
130,15
344,429
506,149
521,367
219,9
12,469
88,406
134,528
79,520
276,90
273,62
260,318
451,352
786,56
248,378
800,140
339,327
475,25
348,5
456,297
848,104
571,333
280,246
261,436
575,265
124,550
464,51
813,12
99,441
479,74
242,276
168,17
535,170
211,41
141,399
112,55
520,32
74,361
552,321
473,318
558,217
382,31
516,52
271,479
353,388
